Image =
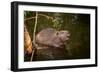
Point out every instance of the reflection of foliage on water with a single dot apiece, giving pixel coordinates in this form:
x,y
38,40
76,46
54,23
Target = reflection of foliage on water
x,y
75,19
77,24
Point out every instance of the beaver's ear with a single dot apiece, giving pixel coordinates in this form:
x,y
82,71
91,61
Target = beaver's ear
x,y
57,32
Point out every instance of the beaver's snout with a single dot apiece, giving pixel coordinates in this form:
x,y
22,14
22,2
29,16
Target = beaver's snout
x,y
64,35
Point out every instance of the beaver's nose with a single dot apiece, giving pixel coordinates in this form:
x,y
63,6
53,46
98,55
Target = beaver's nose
x,y
68,34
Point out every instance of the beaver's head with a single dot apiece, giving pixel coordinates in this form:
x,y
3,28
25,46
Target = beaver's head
x,y
63,35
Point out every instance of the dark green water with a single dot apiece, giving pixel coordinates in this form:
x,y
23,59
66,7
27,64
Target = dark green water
x,y
78,26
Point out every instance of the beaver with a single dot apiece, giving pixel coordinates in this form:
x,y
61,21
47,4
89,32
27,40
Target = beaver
x,y
51,44
52,37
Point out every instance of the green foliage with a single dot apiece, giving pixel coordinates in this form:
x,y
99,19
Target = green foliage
x,y
57,21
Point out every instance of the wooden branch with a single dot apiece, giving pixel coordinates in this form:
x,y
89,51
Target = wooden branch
x,y
48,17
29,18
34,34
